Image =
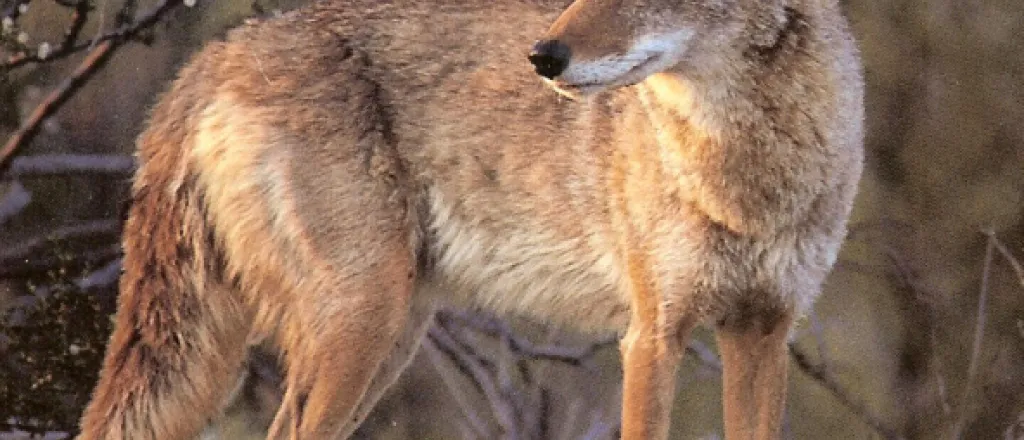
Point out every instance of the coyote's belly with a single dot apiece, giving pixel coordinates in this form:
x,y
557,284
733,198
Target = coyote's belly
x,y
527,271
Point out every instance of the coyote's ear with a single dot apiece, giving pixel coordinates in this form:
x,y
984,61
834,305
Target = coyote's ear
x,y
768,22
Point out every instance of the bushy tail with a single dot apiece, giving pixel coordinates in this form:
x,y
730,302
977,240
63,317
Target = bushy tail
x,y
179,339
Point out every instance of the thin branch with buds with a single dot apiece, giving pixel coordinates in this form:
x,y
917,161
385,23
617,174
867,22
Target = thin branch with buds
x,y
124,32
99,49
14,10
53,101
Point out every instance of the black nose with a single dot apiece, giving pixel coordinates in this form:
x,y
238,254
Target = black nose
x,y
550,58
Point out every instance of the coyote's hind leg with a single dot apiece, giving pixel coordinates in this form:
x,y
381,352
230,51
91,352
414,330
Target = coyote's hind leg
x,y
405,347
334,345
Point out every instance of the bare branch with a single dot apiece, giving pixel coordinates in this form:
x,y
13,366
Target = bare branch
x,y
825,379
493,327
520,404
979,333
599,429
102,277
1018,268
1016,429
705,355
53,101
99,49
70,164
26,249
124,32
41,265
923,319
818,332
12,203
79,16
480,374
14,10
474,424
940,380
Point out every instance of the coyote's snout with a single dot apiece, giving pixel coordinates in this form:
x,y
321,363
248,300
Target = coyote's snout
x,y
320,181
601,44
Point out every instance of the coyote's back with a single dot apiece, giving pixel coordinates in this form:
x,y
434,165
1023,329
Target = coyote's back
x,y
318,182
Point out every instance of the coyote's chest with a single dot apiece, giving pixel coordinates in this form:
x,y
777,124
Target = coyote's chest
x,y
526,270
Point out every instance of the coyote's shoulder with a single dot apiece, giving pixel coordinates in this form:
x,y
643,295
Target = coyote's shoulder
x,y
318,180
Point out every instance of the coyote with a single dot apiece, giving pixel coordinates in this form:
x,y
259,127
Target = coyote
x,y
319,181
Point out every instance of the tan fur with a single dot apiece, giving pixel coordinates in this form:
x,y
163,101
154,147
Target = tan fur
x,y
318,181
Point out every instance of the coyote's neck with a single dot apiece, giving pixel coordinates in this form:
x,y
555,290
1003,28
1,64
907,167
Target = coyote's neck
x,y
685,117
712,141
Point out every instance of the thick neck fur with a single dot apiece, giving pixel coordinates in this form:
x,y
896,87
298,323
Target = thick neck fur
x,y
742,114
735,89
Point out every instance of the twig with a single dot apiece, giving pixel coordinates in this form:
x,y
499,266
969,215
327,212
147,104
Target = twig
x,y
30,247
1018,269
818,332
79,16
69,164
14,10
105,276
12,203
490,326
40,266
825,379
474,424
480,375
123,33
705,355
53,101
519,404
514,401
124,15
979,333
924,317
99,48
940,380
599,429
69,3
102,277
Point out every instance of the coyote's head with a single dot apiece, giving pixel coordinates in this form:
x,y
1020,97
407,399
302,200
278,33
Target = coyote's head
x,y
597,45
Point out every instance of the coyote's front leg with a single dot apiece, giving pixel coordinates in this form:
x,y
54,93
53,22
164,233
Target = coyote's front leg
x,y
651,352
754,362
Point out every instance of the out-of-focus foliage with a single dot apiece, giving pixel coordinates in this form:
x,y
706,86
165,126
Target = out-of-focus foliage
x,y
53,347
